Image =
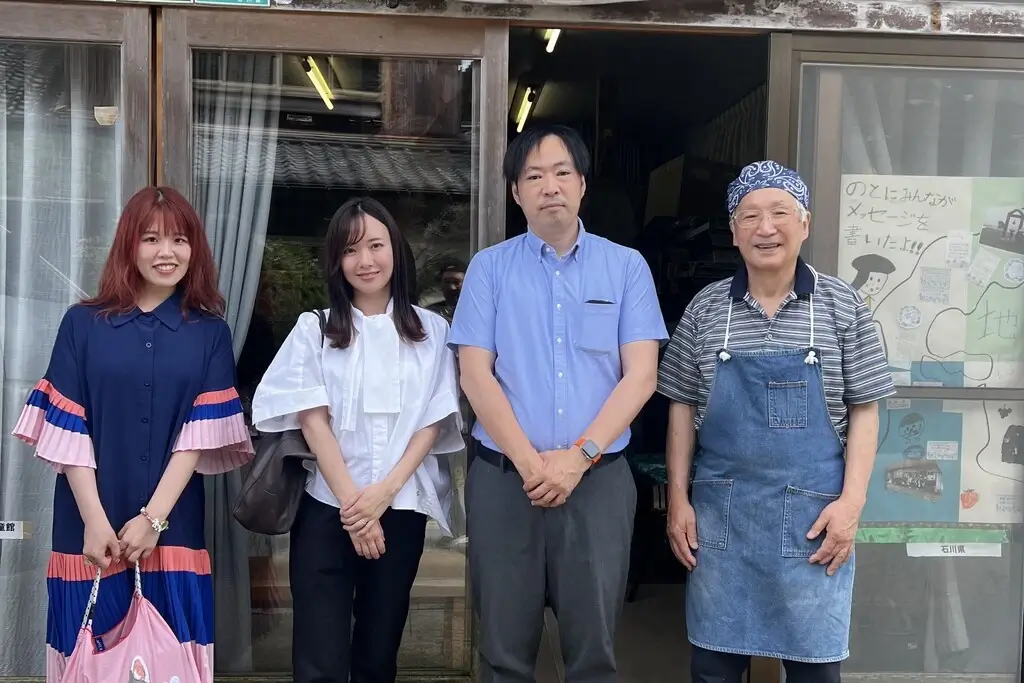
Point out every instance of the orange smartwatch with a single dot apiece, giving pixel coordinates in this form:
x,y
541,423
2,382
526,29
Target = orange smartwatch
x,y
589,449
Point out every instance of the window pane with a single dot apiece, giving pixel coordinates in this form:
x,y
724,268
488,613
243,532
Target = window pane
x,y
931,215
939,558
60,185
927,197
274,159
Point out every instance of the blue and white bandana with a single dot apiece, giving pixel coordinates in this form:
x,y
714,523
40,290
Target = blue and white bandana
x,y
762,174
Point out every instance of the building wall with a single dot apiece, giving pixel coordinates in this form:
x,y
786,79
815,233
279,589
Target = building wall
x,y
962,18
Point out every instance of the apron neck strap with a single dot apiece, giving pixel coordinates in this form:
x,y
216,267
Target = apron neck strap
x,y
724,353
812,356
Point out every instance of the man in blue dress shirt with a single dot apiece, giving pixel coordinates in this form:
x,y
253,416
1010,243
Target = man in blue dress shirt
x,y
558,333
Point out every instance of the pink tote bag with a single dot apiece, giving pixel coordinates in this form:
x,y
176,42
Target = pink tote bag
x,y
141,649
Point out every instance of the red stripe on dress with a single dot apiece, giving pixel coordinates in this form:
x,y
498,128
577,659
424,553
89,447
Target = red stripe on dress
x,y
69,567
212,397
58,399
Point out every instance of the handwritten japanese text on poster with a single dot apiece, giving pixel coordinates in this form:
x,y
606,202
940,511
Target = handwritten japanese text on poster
x,y
940,263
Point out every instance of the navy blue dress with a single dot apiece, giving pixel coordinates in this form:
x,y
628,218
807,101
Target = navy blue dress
x,y
121,394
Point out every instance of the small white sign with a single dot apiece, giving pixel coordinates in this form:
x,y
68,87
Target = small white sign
x,y
15,531
897,403
954,550
958,249
942,450
983,267
1009,504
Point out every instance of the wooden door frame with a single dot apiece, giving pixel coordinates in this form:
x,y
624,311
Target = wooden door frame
x,y
127,27
789,53
181,30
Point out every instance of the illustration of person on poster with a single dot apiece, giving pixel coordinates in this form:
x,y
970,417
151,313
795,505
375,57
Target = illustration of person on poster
x,y
873,271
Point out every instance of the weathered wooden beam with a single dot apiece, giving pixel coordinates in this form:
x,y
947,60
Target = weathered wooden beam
x,y
918,17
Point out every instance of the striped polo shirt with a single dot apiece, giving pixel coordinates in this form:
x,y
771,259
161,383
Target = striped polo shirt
x,y
853,365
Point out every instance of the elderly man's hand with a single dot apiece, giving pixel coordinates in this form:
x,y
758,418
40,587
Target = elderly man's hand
x,y
682,530
839,521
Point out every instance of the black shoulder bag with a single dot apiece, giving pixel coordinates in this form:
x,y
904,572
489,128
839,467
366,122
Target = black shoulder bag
x,y
272,490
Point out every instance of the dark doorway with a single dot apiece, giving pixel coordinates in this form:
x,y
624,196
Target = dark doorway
x,y
669,120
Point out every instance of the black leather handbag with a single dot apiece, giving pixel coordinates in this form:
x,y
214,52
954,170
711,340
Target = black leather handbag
x,y
272,490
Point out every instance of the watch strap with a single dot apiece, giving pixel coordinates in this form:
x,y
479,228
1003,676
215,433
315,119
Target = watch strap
x,y
594,453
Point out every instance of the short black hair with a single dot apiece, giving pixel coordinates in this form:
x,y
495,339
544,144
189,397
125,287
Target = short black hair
x,y
452,265
530,139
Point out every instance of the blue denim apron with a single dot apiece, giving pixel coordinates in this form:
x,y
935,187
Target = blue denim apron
x,y
769,461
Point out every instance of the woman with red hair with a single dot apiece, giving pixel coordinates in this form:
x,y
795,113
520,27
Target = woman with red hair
x,y
139,398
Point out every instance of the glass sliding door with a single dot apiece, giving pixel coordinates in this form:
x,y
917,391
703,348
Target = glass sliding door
x,y
917,164
74,144
269,133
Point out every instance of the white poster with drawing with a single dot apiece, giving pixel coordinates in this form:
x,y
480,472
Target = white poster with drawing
x,y
992,462
940,263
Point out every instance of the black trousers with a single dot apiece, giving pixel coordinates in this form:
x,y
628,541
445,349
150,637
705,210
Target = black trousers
x,y
707,666
331,584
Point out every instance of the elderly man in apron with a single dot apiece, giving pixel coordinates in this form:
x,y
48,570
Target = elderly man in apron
x,y
774,376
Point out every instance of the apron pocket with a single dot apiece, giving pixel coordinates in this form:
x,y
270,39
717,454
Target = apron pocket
x,y
787,404
801,510
711,500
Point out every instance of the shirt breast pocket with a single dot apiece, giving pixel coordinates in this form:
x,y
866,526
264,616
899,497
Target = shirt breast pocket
x,y
599,331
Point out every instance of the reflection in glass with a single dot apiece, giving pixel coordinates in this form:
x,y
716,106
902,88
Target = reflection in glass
x,y
938,565
930,205
930,211
60,184
279,143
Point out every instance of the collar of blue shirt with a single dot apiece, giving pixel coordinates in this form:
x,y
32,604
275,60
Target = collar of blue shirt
x,y
537,245
802,285
169,313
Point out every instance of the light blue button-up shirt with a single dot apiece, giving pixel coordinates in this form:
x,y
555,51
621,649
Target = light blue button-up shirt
x,y
555,326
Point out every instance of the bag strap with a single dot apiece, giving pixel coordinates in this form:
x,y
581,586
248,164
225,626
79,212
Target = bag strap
x,y
95,592
323,325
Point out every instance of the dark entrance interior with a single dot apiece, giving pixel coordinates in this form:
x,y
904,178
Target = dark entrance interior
x,y
669,120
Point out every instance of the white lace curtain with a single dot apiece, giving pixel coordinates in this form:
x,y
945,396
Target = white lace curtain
x,y
59,203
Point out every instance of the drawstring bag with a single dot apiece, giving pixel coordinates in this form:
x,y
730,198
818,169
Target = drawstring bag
x,y
140,649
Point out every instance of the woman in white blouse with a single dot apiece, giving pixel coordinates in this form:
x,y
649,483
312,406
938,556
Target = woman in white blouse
x,y
376,398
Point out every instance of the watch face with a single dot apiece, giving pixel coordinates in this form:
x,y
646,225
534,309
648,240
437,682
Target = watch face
x,y
589,449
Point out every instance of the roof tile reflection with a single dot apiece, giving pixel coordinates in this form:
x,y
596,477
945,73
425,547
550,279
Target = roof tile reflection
x,y
371,162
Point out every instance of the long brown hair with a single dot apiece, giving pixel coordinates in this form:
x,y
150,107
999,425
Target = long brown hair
x,y
121,283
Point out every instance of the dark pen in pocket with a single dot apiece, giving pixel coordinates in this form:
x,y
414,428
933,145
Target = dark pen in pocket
x,y
599,301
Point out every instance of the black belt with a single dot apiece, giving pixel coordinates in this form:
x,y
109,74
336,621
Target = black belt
x,y
504,463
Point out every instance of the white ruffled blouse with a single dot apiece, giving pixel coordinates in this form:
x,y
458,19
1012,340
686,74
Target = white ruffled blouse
x,y
379,392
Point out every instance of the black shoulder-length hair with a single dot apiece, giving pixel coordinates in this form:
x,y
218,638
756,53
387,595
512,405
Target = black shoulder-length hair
x,y
345,229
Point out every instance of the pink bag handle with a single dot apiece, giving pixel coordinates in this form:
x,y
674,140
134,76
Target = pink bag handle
x,y
94,593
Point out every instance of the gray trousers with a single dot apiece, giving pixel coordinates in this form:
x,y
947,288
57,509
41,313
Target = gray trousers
x,y
574,557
